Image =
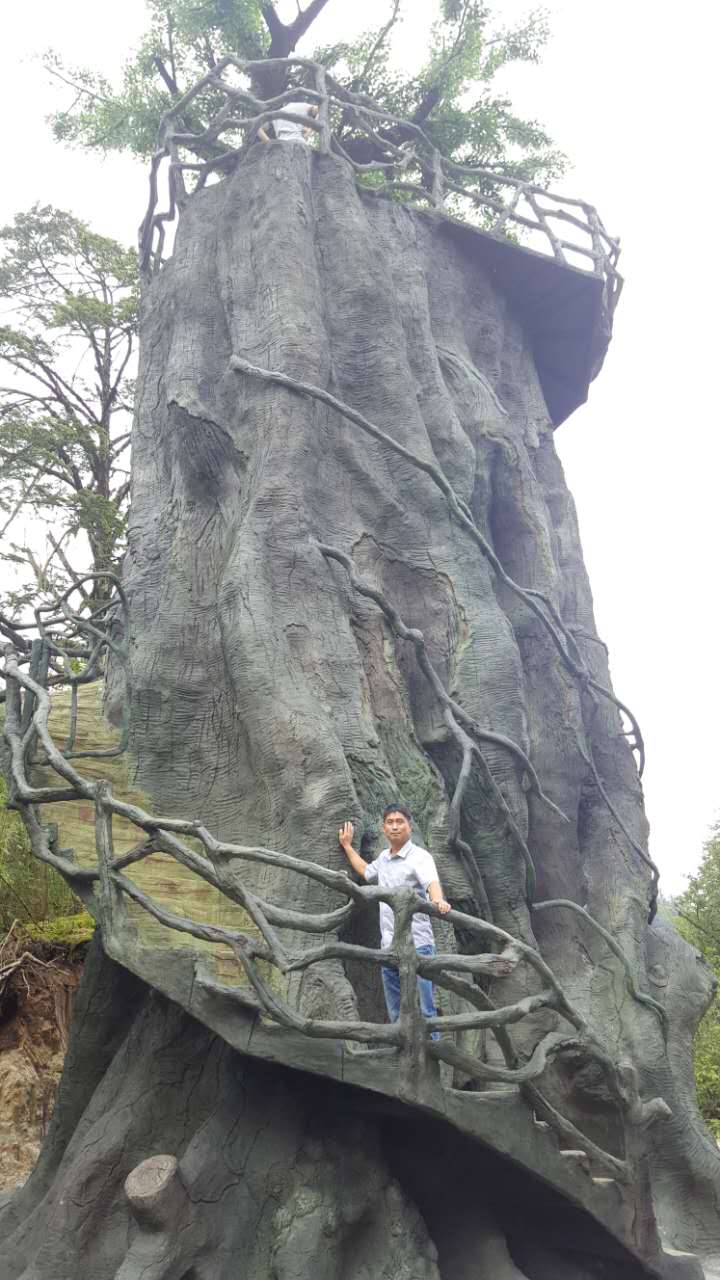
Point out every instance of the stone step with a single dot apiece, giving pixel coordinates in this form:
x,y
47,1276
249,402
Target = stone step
x,y
677,1265
579,1158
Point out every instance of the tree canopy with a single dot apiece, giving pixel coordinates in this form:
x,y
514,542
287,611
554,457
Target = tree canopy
x,y
452,95
699,906
66,355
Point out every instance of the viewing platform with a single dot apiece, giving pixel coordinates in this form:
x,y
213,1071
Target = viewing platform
x,y
549,254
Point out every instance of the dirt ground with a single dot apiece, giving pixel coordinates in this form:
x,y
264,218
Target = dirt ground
x,y
37,982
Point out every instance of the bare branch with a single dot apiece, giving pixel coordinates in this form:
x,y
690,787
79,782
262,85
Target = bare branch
x,y
25,495
304,21
167,79
377,45
81,89
58,551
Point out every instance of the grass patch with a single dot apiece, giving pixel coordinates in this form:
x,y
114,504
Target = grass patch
x,y
67,931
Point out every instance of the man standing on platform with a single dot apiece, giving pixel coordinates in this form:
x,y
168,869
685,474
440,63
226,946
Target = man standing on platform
x,y
292,130
403,866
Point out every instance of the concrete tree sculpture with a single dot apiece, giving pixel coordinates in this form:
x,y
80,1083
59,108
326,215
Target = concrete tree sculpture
x,y
354,574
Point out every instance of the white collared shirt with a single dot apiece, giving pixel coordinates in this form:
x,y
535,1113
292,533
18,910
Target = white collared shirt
x,y
290,130
410,868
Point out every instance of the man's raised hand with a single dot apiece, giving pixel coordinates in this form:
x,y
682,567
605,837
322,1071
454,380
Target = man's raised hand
x,y
345,836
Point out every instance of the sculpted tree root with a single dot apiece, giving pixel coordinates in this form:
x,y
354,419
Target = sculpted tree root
x,y
287,1177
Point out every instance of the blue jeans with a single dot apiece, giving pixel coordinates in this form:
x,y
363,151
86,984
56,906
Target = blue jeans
x,y
391,986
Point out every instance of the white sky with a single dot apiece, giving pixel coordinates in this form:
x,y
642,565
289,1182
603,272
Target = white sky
x,y
627,90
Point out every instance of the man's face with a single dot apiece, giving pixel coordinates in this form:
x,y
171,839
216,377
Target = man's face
x,y
397,829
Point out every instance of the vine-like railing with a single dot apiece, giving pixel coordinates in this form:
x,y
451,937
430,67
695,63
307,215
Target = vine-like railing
x,y
72,649
390,157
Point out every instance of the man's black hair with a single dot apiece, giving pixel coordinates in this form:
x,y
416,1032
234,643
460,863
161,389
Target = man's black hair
x,y
397,808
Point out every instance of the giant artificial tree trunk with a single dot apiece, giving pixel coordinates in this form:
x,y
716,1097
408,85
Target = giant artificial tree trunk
x,y
273,700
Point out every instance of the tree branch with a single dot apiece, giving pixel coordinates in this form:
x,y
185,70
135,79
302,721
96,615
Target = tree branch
x,y
284,37
305,20
58,551
426,105
27,490
714,939
80,88
167,79
8,629
171,45
64,394
121,494
115,387
209,55
377,46
119,444
276,28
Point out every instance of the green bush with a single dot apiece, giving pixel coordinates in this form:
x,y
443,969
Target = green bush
x,y
697,916
707,1069
29,891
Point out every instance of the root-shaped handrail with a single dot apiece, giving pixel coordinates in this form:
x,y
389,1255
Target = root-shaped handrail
x,y
403,163
107,889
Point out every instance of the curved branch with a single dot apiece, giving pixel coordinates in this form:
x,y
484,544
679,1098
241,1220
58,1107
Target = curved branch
x,y
618,1169
366,1032
616,949
548,1048
491,1018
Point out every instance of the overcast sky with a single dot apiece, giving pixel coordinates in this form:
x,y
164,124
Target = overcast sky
x,y
628,90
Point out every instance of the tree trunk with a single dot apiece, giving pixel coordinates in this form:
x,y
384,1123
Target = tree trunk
x,y
272,701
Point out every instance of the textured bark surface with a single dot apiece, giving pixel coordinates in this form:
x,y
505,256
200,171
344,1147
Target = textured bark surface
x,y
271,702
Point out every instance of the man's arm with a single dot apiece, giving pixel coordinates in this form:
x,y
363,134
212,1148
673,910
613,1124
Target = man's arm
x,y
345,836
313,112
435,894
429,880
262,135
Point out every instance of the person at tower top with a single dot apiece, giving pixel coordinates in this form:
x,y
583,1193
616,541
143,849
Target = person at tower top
x,y
404,865
292,130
